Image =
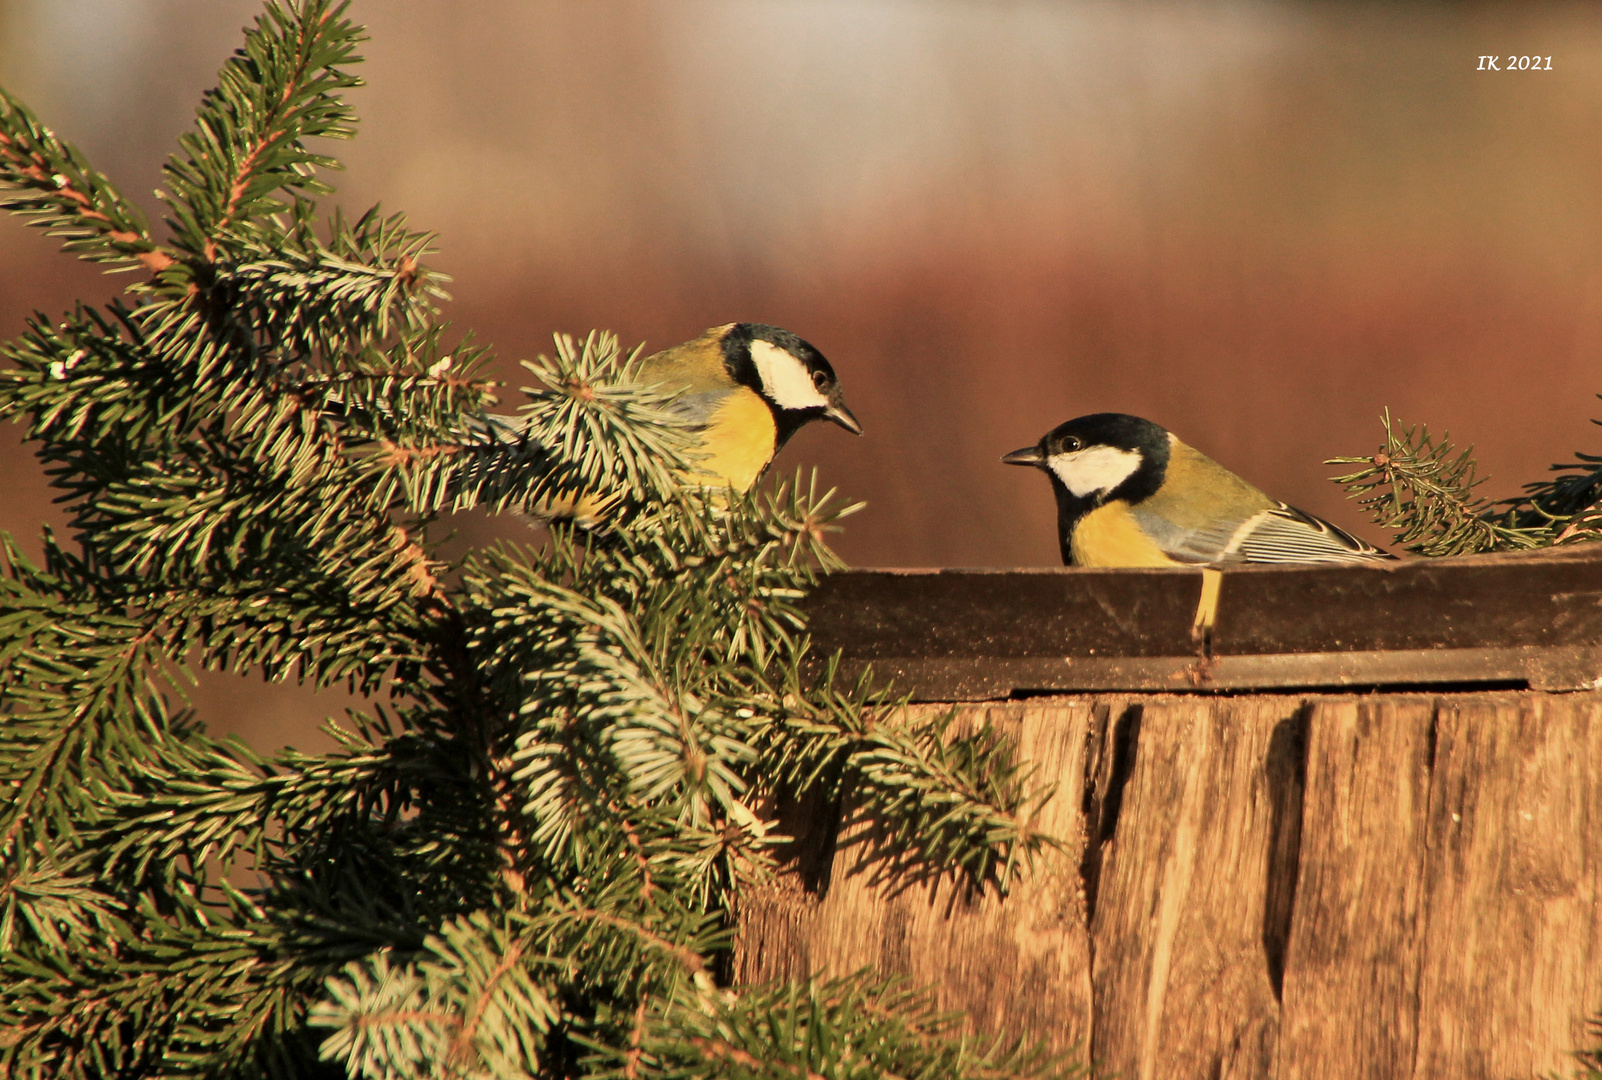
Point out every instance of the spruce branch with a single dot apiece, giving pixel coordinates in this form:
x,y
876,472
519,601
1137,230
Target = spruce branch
x,y
314,299
591,437
1423,489
248,145
469,1006
46,907
524,855
48,181
854,1027
944,804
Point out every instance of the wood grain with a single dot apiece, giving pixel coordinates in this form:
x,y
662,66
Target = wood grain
x,y
1351,965
1267,886
1509,969
1181,986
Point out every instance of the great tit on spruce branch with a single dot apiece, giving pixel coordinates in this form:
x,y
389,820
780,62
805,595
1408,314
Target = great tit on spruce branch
x,y
745,388
1129,493
748,387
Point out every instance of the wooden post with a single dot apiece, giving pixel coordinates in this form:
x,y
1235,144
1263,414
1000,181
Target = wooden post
x,y
1405,882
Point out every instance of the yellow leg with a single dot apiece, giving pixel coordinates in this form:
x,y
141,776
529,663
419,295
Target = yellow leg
x,y
1207,606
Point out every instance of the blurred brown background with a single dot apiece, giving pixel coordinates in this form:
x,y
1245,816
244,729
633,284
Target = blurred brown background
x,y
1256,223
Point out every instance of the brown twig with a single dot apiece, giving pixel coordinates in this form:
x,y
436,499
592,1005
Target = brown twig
x,y
462,1046
236,190
631,1059
688,957
720,1050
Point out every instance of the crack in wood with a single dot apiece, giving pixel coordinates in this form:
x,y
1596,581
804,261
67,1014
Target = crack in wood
x,y
1104,792
1286,769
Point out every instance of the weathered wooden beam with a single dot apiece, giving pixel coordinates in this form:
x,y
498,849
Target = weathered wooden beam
x,y
1521,620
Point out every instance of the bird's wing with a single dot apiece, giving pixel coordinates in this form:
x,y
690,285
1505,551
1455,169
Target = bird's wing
x,y
1279,534
694,409
697,408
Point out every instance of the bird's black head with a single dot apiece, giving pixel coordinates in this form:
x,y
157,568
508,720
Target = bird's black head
x,y
791,376
1092,459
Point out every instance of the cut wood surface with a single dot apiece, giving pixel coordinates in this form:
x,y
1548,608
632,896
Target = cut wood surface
x,y
1256,886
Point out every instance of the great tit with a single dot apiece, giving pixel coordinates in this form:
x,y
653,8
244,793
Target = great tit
x,y
745,388
1129,493
748,387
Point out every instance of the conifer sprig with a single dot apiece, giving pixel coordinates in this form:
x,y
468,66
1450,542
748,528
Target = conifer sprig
x,y
958,806
312,297
247,158
859,1026
1568,507
1423,488
48,181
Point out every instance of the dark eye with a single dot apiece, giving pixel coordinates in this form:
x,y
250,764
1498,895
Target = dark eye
x,y
820,379
1071,444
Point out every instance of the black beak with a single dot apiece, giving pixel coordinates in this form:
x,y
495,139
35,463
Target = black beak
x,y
1029,455
842,416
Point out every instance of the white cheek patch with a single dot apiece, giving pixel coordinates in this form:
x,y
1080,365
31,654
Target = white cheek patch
x,y
1096,469
787,381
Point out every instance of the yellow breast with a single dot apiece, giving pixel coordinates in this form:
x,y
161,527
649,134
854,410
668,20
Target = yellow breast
x,y
739,441
1108,536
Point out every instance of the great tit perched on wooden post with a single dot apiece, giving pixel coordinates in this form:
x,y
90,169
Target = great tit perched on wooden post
x,y
1129,493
